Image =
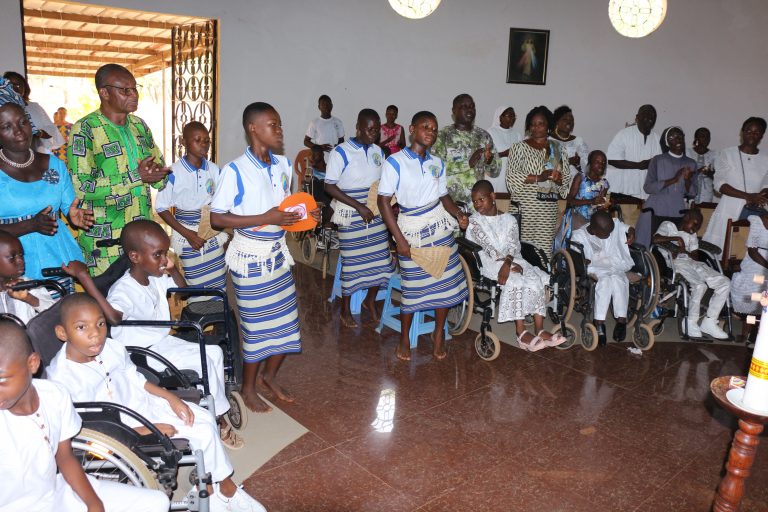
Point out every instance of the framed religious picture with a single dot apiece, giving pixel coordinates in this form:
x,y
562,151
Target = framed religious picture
x,y
528,51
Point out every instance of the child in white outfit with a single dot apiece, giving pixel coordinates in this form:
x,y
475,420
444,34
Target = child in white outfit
x,y
698,275
93,367
606,244
37,423
23,304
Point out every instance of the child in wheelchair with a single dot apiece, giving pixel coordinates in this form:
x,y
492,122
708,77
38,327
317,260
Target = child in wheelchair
x,y
699,275
93,367
317,189
37,423
606,244
522,284
23,304
140,294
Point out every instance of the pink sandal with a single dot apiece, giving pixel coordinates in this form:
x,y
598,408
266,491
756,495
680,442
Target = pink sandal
x,y
554,340
536,344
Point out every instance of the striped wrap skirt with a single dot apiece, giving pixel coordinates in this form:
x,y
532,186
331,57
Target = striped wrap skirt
x,y
365,258
421,291
266,300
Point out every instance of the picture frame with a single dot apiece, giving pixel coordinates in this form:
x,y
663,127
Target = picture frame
x,y
528,56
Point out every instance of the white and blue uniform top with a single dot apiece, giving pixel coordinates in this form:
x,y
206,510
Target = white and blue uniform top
x,y
415,181
354,166
248,186
188,188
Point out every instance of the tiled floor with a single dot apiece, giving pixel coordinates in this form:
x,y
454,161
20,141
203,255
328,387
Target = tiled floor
x,y
551,431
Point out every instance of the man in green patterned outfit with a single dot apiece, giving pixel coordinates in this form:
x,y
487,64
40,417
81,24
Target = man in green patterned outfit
x,y
113,161
467,151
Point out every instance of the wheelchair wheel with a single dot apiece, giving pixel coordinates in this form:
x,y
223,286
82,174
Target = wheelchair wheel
x,y
326,262
308,249
643,337
588,337
298,236
237,415
570,335
105,458
563,279
487,346
651,297
460,315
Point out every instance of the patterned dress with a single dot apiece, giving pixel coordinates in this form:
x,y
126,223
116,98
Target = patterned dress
x,y
103,159
576,216
455,147
523,293
394,132
538,201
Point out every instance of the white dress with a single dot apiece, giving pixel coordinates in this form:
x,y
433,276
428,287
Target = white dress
x,y
523,294
728,169
743,285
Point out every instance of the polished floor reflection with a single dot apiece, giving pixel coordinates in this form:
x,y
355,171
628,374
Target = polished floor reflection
x,y
552,431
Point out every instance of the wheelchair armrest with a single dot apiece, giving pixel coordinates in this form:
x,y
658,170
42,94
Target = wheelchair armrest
x,y
201,291
172,324
13,318
150,354
670,247
108,414
710,248
468,245
647,210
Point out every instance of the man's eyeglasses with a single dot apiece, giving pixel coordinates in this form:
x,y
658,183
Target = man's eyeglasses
x,y
125,91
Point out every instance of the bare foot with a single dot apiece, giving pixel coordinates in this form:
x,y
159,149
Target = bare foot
x,y
277,390
437,351
348,321
403,354
254,402
371,308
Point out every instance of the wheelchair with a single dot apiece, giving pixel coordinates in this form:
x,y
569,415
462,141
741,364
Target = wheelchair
x,y
643,296
219,324
321,238
106,447
673,295
484,294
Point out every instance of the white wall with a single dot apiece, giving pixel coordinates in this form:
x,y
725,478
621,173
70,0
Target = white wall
x,y
12,54
706,64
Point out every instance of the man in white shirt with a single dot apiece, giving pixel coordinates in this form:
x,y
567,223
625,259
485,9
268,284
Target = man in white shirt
x,y
629,153
325,131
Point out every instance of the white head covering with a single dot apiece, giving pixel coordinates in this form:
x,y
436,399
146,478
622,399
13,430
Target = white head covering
x,y
496,117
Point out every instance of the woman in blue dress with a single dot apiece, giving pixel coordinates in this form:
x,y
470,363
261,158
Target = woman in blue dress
x,y
588,193
36,190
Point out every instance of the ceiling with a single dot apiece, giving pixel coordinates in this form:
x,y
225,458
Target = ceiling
x,y
71,39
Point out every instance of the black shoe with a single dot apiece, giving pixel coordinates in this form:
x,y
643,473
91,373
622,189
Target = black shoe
x,y
602,340
620,332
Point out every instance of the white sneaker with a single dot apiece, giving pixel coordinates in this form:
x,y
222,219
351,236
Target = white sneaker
x,y
690,328
709,327
239,502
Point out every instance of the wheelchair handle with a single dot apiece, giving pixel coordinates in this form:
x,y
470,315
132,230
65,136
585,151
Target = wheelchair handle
x,y
12,318
109,242
39,283
175,324
114,408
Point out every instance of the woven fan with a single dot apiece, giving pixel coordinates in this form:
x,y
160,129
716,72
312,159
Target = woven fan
x,y
204,230
373,196
432,259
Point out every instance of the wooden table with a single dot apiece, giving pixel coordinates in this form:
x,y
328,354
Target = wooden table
x,y
743,449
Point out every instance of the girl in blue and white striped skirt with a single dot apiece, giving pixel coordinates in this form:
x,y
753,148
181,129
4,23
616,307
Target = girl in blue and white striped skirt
x,y
427,219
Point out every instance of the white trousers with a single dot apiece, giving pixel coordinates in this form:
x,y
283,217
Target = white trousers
x,y
700,277
116,497
614,287
202,435
185,355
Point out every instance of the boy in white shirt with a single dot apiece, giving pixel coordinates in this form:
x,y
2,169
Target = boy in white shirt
x,y
189,190
606,244
23,304
37,424
140,294
94,368
325,131
699,276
